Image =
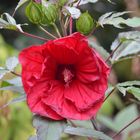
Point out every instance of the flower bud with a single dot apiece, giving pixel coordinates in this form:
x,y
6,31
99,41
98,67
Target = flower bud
x,y
33,12
50,14
85,23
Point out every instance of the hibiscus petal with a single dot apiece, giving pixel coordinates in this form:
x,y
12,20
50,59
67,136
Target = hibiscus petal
x,y
55,97
87,68
31,59
67,51
70,111
34,100
83,96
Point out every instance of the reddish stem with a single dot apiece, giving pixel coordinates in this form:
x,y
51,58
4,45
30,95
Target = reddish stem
x,y
109,94
15,73
78,3
113,52
33,36
126,127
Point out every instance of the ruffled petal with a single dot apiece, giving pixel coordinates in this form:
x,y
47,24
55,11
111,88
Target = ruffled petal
x,y
34,100
55,97
67,50
31,60
70,111
83,96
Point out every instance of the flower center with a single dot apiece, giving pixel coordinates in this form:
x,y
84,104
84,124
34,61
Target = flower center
x,y
65,73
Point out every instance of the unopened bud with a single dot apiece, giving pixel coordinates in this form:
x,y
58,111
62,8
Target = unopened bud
x,y
33,12
50,14
85,23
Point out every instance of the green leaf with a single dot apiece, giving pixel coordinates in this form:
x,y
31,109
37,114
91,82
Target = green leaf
x,y
83,123
9,23
135,91
11,63
121,120
10,19
86,133
133,22
3,71
15,81
108,122
14,88
126,86
129,83
15,100
128,43
114,19
98,48
45,127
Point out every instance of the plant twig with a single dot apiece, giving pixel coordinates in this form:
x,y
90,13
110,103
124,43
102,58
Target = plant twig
x,y
113,52
109,94
33,36
15,73
94,124
126,127
48,33
62,25
57,30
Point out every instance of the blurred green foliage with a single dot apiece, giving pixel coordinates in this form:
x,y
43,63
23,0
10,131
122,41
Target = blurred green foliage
x,y
15,120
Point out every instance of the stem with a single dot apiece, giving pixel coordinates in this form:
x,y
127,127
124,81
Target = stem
x,y
63,25
113,52
33,36
109,94
70,29
97,25
126,127
15,73
78,3
48,33
94,124
56,29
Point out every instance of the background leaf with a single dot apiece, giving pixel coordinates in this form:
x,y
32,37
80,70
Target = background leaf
x,y
86,133
15,100
129,45
11,63
98,48
114,19
45,127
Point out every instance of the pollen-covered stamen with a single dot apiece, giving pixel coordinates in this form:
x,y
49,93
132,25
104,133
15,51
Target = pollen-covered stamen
x,y
67,75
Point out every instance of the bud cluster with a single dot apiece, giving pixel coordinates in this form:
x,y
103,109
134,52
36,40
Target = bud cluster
x,y
40,14
48,13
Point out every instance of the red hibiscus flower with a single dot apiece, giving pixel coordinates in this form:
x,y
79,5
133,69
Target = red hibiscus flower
x,y
64,78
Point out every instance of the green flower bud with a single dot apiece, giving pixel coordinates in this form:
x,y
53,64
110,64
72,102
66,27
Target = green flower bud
x,y
85,23
33,12
50,14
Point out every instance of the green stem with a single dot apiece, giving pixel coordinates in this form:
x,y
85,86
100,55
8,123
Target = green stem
x,y
56,29
48,33
63,25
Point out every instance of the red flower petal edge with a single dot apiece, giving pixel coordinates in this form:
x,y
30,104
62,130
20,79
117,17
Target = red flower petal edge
x,y
64,78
